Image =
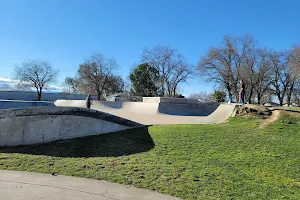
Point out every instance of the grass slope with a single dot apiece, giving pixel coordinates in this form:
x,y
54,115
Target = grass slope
x,y
234,160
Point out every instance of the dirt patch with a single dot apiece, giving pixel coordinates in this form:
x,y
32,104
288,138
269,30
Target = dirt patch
x,y
266,115
260,112
273,118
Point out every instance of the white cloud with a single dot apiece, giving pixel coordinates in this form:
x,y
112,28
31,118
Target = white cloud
x,y
7,81
10,83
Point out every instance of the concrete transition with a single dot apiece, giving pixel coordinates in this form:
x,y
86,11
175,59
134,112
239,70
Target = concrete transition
x,y
28,186
160,111
45,124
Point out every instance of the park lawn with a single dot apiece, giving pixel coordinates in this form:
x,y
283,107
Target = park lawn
x,y
233,160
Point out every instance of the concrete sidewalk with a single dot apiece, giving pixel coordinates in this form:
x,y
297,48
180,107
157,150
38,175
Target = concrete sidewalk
x,y
34,186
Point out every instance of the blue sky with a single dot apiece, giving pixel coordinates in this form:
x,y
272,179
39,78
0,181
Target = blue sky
x,y
66,32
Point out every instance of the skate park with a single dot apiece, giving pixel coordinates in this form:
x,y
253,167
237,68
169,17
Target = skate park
x,y
149,100
40,122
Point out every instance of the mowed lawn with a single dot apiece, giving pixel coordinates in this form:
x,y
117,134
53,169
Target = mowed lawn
x,y
233,160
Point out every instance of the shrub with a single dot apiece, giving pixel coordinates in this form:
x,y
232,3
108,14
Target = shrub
x,y
219,96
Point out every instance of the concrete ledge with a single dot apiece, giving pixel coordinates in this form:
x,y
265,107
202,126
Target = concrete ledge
x,y
168,100
40,111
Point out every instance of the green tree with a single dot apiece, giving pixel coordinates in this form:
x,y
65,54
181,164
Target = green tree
x,y
219,96
144,79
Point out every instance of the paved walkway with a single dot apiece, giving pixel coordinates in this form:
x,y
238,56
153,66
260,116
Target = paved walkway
x,y
34,186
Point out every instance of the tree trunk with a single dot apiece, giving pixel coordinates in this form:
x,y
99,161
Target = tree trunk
x,y
289,99
281,101
289,95
169,93
162,88
258,98
174,91
250,96
39,97
98,95
39,92
229,92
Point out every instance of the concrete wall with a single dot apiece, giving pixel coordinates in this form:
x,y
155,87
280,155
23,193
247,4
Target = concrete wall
x,y
168,100
39,129
32,96
7,104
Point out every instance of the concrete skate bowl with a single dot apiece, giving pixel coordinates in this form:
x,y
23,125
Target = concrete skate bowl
x,y
160,113
8,104
32,125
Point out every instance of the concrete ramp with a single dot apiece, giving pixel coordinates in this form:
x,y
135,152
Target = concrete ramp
x,y
160,113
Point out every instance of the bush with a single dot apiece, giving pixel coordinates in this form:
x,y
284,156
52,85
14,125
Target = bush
x,y
219,96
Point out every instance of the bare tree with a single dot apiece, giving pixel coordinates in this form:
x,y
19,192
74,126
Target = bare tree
x,y
265,72
296,94
224,64
95,75
245,59
115,85
262,76
37,74
294,71
181,71
171,66
280,78
248,72
202,96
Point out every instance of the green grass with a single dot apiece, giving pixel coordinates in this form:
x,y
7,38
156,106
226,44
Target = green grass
x,y
234,160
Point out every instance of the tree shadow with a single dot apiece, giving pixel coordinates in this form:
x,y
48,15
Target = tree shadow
x,y
105,145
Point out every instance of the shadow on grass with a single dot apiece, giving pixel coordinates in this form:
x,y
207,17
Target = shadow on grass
x,y
106,145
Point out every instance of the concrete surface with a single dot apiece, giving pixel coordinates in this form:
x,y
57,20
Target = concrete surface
x,y
34,186
168,100
8,104
44,124
160,113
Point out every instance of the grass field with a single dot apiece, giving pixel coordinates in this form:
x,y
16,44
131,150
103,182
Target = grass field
x,y
233,160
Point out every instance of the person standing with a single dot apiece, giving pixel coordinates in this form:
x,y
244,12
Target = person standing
x,y
242,92
88,101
